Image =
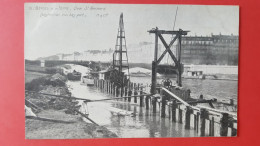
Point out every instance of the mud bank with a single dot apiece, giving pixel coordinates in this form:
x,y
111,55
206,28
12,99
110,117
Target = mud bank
x,y
64,123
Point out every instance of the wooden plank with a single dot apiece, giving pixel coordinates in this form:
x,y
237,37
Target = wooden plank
x,y
168,32
176,97
217,111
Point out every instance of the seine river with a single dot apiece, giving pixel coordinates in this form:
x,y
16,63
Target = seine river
x,y
143,123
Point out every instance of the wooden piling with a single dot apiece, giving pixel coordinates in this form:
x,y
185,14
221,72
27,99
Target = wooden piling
x,y
135,98
147,102
154,101
180,115
187,117
109,88
204,115
129,94
233,130
174,106
126,91
112,88
211,127
163,104
103,84
224,124
197,122
117,91
106,86
122,91
141,99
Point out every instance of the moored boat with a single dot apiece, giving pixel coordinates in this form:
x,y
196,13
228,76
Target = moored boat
x,y
74,76
88,79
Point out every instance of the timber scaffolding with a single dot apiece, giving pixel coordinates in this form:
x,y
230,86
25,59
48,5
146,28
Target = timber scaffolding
x,y
169,103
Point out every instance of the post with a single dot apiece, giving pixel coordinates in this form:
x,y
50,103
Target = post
x,y
103,85
129,94
154,100
126,93
180,115
154,64
233,130
163,104
107,86
153,87
110,87
113,89
141,99
174,106
147,102
197,121
224,124
203,117
135,98
117,91
187,117
179,62
211,127
122,91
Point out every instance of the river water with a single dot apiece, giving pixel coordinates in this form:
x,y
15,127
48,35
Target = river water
x,y
219,89
136,121
143,123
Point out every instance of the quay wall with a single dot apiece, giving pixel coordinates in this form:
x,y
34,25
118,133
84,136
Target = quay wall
x,y
212,69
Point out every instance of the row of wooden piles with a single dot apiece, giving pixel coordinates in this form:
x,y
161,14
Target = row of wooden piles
x,y
205,122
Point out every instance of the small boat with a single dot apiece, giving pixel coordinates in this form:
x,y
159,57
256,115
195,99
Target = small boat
x,y
88,79
74,76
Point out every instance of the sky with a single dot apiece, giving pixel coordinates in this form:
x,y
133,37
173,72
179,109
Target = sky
x,y
52,28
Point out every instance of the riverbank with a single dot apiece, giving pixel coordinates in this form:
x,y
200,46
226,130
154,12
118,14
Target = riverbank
x,y
64,123
77,129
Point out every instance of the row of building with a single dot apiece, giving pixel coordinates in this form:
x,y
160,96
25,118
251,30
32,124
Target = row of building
x,y
214,49
208,50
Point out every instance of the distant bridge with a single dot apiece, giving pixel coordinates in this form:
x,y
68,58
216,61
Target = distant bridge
x,y
53,63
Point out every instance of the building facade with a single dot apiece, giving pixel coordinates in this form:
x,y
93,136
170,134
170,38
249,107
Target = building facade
x,y
210,50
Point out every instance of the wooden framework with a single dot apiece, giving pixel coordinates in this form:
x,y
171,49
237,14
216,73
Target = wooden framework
x,y
120,58
176,59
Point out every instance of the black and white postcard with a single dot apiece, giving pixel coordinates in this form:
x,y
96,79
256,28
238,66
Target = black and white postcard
x,y
130,70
